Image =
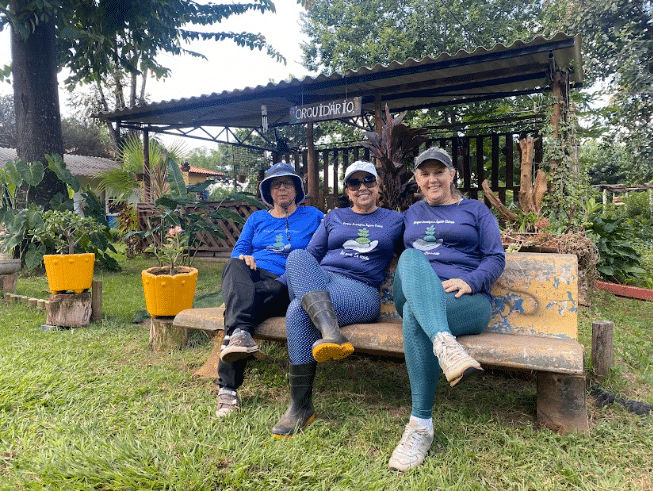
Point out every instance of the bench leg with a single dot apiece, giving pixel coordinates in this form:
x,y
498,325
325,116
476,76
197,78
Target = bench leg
x,y
210,367
562,402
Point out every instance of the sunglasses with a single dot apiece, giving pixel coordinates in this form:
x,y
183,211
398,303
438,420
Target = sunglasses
x,y
354,183
286,184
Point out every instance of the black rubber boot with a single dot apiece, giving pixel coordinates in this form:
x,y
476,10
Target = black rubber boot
x,y
333,344
300,413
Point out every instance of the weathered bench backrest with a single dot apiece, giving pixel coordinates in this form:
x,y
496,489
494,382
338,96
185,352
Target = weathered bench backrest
x,y
536,295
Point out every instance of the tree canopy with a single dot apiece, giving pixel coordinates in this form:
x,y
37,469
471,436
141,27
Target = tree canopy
x,y
101,41
618,55
617,49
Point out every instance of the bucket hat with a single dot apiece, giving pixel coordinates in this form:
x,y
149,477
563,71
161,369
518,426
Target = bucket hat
x,y
278,170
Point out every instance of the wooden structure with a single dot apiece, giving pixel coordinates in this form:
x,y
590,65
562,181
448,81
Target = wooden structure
x,y
540,65
470,156
533,328
207,244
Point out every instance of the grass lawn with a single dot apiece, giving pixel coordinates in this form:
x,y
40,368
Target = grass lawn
x,y
93,408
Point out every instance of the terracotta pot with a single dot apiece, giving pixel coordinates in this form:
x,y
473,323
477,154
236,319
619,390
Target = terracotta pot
x,y
167,295
69,272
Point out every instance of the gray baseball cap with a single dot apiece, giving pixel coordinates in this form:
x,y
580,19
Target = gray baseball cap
x,y
434,153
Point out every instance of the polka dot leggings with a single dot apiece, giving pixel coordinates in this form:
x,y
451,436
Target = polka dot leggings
x,y
353,301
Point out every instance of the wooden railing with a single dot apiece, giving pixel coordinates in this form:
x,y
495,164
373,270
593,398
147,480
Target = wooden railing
x,y
494,157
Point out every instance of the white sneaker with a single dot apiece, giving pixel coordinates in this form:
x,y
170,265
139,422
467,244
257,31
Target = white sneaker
x,y
412,448
453,359
228,403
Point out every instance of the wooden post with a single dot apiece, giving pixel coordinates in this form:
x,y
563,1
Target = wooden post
x,y
164,336
146,166
562,402
96,301
378,113
313,180
602,354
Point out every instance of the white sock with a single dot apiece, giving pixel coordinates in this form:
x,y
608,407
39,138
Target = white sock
x,y
424,423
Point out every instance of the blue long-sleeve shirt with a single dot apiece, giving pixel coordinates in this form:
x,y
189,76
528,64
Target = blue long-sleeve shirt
x,y
357,245
269,240
461,240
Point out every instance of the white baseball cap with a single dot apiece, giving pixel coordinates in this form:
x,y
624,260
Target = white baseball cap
x,y
360,166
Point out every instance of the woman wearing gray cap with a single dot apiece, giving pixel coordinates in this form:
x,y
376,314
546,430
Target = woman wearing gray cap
x,y
441,289
250,290
335,282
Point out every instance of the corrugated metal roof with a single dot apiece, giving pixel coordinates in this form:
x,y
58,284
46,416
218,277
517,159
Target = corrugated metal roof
x,y
78,165
502,71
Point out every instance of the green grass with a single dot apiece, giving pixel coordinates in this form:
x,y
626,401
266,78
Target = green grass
x,y
94,408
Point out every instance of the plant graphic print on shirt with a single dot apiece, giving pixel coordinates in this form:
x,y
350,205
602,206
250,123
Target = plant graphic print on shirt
x,y
429,242
279,245
362,243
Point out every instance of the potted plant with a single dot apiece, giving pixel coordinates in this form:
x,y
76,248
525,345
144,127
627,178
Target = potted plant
x,y
170,287
64,231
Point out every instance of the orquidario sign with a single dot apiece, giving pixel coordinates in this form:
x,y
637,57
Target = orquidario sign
x,y
323,111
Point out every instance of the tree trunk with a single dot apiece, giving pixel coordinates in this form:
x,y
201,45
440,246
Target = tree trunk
x,y
36,103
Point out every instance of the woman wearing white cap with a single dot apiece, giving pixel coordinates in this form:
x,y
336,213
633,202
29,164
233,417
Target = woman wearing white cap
x,y
335,282
441,289
249,288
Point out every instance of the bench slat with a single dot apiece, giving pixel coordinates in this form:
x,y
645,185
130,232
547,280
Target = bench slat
x,y
558,355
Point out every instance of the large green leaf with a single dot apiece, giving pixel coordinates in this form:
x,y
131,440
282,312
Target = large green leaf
x,y
13,175
175,179
34,255
31,172
58,166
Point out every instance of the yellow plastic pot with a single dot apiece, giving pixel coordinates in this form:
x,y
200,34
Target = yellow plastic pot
x,y
167,295
69,272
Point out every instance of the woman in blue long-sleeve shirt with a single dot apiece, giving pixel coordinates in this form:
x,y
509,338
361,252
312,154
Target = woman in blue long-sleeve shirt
x,y
335,282
441,289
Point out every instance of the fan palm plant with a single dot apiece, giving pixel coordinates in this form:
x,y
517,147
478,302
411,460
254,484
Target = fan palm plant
x,y
123,182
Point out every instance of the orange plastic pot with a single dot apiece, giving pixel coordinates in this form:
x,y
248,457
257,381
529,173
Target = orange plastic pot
x,y
69,272
167,295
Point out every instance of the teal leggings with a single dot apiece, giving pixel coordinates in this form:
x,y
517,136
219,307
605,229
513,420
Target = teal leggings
x,y
426,310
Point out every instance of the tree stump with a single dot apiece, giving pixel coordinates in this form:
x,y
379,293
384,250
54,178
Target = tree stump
x,y
69,309
210,367
8,282
165,337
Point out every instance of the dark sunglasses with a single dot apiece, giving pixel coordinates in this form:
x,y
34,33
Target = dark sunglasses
x,y
354,183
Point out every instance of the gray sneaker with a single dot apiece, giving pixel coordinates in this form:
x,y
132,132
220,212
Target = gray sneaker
x,y
453,359
241,345
228,403
412,448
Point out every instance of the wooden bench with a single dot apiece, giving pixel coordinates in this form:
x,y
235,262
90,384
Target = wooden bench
x,y
534,328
